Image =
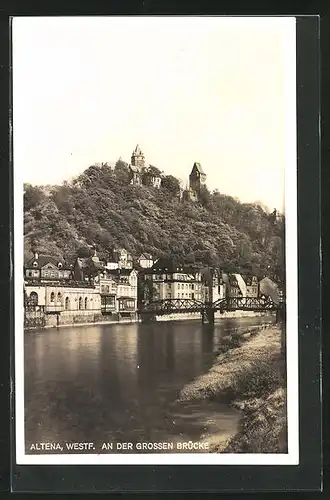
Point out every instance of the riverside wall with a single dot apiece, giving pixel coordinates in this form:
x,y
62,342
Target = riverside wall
x,y
81,318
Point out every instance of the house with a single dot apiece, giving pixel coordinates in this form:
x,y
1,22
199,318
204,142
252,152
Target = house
x,y
86,268
252,286
214,285
107,286
234,285
120,258
270,288
168,279
46,268
126,290
145,261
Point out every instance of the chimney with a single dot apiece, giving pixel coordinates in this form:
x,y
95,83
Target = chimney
x,y
36,255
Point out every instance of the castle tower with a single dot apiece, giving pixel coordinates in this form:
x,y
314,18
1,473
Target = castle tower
x,y
137,158
197,178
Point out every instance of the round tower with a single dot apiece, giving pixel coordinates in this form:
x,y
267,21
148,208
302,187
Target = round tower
x,y
137,158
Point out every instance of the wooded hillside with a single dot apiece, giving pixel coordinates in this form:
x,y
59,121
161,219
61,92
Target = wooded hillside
x,y
102,209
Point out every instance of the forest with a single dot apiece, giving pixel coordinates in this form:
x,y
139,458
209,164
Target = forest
x,y
100,209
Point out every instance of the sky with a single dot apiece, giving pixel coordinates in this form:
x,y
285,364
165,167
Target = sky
x,y
220,91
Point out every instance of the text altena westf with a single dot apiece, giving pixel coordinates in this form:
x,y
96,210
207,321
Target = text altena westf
x,y
60,447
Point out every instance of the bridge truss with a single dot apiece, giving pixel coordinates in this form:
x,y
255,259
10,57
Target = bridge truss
x,y
168,306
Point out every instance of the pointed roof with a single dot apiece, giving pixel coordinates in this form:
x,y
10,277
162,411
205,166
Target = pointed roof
x,y
137,150
198,167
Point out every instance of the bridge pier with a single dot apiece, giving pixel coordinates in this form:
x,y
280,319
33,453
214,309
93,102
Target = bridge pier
x,y
207,316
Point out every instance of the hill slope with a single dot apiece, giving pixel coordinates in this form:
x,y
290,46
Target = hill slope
x,y
100,208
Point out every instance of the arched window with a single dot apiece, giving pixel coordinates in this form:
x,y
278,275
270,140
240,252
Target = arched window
x,y
52,297
67,303
59,297
33,299
80,302
86,302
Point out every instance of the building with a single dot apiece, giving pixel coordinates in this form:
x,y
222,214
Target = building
x,y
270,288
138,159
46,268
62,304
145,261
197,179
214,285
108,288
252,286
141,173
86,268
234,286
120,258
126,291
170,280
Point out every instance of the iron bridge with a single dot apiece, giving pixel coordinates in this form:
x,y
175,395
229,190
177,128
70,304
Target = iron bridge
x,y
168,306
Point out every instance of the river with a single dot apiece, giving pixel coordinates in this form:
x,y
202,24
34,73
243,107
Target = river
x,y
119,383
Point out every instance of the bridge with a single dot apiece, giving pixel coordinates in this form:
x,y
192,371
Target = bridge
x,y
149,311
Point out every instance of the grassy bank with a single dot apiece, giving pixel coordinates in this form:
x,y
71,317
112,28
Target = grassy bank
x,y
249,373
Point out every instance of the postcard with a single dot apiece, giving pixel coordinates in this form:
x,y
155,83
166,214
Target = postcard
x,y
155,245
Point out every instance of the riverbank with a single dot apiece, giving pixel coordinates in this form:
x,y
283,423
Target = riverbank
x,y
164,318
249,374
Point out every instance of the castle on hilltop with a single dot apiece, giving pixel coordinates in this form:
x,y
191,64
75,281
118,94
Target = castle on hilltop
x,y
143,174
197,180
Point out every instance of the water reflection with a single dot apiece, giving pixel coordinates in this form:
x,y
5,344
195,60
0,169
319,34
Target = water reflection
x,y
120,382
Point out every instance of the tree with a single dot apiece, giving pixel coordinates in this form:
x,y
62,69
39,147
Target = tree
x,y
33,196
171,184
205,196
84,251
122,171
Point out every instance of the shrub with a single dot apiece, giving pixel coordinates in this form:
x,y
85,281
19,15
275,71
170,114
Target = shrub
x,y
261,378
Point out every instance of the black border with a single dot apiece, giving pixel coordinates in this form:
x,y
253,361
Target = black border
x,y
306,476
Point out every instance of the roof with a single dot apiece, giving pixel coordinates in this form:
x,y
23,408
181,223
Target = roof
x,y
87,262
198,167
43,260
120,272
147,256
172,266
137,150
165,264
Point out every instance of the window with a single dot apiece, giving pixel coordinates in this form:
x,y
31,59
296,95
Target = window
x,y
86,302
59,297
34,299
192,286
80,303
35,264
52,297
67,303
